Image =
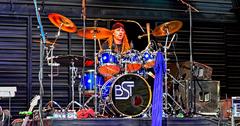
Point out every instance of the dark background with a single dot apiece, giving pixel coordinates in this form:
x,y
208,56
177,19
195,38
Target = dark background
x,y
215,39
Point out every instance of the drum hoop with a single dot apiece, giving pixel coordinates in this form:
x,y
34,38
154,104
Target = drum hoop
x,y
146,50
115,108
105,64
107,51
104,85
90,70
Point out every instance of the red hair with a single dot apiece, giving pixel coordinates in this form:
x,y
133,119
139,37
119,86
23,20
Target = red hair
x,y
125,44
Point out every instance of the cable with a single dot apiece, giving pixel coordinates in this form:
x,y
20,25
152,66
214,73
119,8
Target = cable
x,y
40,75
9,103
176,58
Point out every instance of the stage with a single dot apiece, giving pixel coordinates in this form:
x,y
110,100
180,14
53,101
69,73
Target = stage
x,y
196,121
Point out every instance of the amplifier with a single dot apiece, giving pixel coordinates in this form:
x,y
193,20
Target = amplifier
x,y
236,106
207,95
200,71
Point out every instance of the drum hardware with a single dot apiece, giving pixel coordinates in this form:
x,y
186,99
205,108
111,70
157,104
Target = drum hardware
x,y
174,80
73,76
51,50
165,30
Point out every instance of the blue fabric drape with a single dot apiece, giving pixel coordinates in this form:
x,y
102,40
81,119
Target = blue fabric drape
x,y
157,103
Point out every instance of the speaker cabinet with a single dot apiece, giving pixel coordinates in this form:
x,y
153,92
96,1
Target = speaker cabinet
x,y
206,96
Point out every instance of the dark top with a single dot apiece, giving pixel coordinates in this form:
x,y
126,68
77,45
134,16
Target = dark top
x,y
115,48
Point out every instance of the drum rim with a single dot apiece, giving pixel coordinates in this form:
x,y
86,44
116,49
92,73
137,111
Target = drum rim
x,y
115,108
104,85
106,65
107,50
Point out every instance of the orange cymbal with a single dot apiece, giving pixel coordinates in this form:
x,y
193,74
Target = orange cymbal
x,y
171,27
47,42
101,33
58,20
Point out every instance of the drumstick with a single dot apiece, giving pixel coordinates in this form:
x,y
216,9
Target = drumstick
x,y
148,34
99,44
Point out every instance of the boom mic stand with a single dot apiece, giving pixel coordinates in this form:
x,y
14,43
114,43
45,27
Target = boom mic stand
x,y
191,104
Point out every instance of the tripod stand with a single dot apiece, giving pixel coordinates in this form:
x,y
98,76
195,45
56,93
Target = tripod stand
x,y
73,76
51,64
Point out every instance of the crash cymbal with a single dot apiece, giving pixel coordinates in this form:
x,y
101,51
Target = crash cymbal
x,y
58,20
47,42
171,26
101,33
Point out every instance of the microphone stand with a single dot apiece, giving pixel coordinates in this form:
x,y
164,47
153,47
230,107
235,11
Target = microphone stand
x,y
192,105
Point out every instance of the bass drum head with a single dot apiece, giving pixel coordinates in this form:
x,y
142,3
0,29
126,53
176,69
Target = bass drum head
x,y
130,95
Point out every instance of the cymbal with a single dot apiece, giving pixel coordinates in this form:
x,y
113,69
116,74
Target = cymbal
x,y
68,60
101,33
47,42
58,20
171,26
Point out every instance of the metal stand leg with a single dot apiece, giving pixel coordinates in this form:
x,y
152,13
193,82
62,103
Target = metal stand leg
x,y
73,76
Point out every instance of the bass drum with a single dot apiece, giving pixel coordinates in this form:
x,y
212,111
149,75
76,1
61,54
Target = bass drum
x,y
126,95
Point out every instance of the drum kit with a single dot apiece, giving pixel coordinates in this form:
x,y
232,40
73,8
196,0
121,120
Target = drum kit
x,y
126,92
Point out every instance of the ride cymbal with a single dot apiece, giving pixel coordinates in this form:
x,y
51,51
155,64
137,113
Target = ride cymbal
x,y
171,27
58,20
101,33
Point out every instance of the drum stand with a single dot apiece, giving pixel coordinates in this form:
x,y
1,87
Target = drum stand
x,y
166,94
73,76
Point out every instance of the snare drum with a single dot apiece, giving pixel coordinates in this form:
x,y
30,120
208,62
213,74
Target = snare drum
x,y
148,58
108,63
88,81
128,95
132,60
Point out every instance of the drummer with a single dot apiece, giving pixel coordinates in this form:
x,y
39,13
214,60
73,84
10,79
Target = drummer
x,y
118,42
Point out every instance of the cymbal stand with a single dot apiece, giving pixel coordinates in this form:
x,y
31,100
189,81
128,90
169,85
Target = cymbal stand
x,y
95,69
84,47
165,74
175,80
73,76
52,47
166,94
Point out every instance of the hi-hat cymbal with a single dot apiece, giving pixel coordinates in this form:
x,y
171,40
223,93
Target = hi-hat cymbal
x,y
58,20
101,33
171,27
69,60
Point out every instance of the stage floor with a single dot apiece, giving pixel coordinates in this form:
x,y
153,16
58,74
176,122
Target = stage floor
x,y
197,121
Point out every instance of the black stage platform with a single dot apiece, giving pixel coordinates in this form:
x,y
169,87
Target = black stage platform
x,y
200,121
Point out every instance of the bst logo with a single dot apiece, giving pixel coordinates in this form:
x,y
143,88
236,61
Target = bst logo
x,y
124,91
